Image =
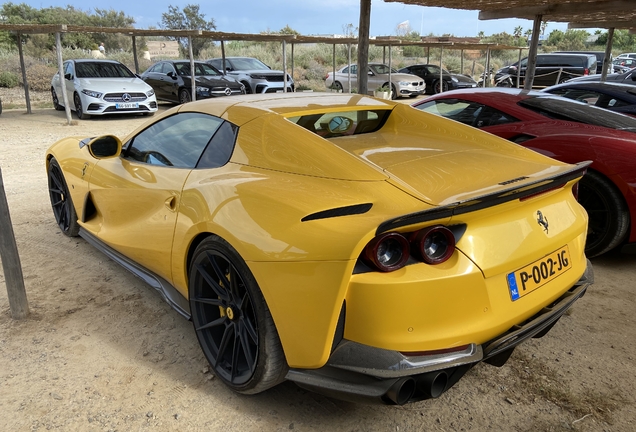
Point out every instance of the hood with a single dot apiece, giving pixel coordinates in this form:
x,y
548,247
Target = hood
x,y
267,72
106,85
403,77
463,78
214,81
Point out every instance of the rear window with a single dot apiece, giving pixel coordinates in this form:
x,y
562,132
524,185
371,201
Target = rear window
x,y
343,123
568,110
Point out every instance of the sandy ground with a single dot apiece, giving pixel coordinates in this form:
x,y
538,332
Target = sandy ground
x,y
102,352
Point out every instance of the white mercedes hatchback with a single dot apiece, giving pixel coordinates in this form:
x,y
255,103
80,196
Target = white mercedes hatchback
x,y
99,87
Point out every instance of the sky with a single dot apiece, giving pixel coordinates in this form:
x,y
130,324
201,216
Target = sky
x,y
308,17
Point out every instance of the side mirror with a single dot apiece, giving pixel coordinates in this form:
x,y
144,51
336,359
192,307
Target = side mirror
x,y
370,73
103,147
172,75
339,124
68,76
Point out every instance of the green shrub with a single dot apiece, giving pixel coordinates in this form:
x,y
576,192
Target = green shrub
x,y
8,79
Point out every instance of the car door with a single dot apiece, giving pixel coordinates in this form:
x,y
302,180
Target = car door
x,y
69,82
154,78
137,196
343,77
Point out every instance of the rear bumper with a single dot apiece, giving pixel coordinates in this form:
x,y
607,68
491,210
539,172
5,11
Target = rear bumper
x,y
364,373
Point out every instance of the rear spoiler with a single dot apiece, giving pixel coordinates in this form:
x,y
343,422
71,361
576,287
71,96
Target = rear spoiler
x,y
518,192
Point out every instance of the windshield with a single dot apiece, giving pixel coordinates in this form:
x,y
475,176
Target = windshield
x,y
200,69
381,69
435,70
247,64
102,70
569,110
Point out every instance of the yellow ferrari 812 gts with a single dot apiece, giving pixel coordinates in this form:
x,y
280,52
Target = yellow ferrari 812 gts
x,y
358,247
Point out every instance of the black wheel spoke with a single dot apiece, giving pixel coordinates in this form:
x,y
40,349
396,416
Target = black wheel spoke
x,y
215,323
250,330
244,335
210,301
218,289
235,357
225,340
220,274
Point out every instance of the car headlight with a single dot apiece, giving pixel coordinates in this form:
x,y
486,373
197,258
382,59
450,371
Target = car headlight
x,y
454,79
92,94
257,76
201,89
150,93
404,83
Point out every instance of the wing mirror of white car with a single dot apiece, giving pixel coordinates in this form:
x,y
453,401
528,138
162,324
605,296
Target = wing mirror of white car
x,y
103,147
68,76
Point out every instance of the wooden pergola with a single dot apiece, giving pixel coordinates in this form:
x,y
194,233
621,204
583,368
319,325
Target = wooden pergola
x,y
221,37
608,14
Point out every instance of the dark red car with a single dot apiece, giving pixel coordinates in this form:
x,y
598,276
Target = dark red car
x,y
571,132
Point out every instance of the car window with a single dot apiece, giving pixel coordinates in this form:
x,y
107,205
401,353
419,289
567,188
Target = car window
x,y
568,110
467,112
102,70
248,64
177,141
68,68
219,150
166,68
359,122
218,63
581,95
381,69
155,68
345,70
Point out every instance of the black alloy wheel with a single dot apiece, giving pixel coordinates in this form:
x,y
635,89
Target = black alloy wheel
x,y
61,202
184,96
394,94
232,321
56,101
436,87
608,213
79,110
337,86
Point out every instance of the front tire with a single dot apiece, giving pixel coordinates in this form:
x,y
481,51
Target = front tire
x,y
232,321
607,211
79,110
436,87
184,96
61,202
56,101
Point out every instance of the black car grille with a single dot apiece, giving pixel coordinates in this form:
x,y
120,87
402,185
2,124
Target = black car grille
x,y
118,97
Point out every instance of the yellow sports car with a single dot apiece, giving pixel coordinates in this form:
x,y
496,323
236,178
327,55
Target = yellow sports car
x,y
358,247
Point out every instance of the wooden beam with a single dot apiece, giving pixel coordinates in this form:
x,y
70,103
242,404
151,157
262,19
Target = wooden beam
x,y
608,54
532,54
629,24
24,77
363,46
573,9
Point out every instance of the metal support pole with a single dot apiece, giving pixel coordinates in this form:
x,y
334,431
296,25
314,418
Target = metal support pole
x,y
428,54
608,53
224,71
134,43
192,71
487,71
292,61
24,77
349,63
60,71
519,68
11,266
284,66
532,54
441,71
333,84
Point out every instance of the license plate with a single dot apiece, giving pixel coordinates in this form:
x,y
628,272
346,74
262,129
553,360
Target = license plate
x,y
539,273
127,105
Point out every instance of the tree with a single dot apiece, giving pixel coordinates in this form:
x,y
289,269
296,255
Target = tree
x,y
287,30
518,32
188,19
349,30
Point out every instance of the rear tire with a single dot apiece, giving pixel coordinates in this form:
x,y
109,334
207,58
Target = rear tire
x,y
232,321
608,213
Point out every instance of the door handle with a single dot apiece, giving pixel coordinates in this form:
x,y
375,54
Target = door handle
x,y
171,203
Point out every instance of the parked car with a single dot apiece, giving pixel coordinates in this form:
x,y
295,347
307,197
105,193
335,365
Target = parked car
x,y
626,55
600,57
552,69
402,85
99,87
628,77
172,81
571,132
610,95
431,73
255,75
286,226
624,64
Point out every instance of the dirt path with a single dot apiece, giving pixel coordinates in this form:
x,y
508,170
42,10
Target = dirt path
x,y
102,352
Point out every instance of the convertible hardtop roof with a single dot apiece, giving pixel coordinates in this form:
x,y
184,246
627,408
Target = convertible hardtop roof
x,y
241,109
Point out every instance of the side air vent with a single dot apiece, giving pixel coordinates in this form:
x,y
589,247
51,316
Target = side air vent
x,y
340,211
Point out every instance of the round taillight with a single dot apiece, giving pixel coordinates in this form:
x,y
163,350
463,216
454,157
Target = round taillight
x,y
387,252
433,245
